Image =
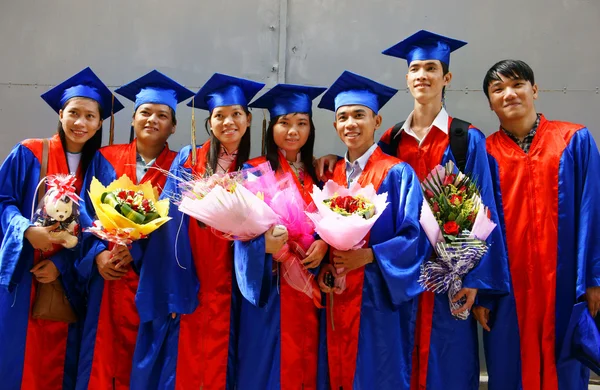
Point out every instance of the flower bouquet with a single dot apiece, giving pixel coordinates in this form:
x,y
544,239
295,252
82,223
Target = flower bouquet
x,y
457,224
282,196
345,216
126,212
222,202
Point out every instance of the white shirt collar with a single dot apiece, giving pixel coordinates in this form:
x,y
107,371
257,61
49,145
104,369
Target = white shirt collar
x,y
362,160
440,121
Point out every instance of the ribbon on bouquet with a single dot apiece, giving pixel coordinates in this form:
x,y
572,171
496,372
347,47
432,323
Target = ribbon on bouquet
x,y
294,272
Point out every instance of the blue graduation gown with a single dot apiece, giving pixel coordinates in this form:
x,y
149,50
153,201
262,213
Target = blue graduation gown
x,y
446,354
110,329
189,271
374,318
278,344
551,215
34,354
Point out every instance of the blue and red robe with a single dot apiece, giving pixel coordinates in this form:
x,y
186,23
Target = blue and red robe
x,y
551,215
374,318
111,325
446,349
278,342
34,354
190,271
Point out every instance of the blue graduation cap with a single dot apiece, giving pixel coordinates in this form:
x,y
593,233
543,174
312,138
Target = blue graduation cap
x,y
223,90
582,339
156,88
84,84
288,98
425,45
351,89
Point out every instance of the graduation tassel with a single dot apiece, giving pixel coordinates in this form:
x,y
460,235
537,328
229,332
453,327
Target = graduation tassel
x,y
263,149
193,135
131,131
111,134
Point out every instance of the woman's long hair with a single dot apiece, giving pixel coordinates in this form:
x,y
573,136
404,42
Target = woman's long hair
x,y
306,151
243,153
89,148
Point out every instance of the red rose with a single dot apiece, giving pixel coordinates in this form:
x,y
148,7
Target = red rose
x,y
429,194
456,199
451,228
449,179
489,214
436,207
462,189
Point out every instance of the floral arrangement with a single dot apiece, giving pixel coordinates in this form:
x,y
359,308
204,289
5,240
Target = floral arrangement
x,y
457,224
126,212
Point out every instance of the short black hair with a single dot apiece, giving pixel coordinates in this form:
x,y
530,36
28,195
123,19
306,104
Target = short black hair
x,y
512,69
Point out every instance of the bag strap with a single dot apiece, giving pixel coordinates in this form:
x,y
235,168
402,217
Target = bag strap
x,y
459,141
43,168
395,140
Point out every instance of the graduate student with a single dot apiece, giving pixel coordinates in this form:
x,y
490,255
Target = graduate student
x,y
446,350
278,343
111,325
39,353
192,269
545,174
374,317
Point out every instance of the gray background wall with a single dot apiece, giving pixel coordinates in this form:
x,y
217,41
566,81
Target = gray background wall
x,y
296,41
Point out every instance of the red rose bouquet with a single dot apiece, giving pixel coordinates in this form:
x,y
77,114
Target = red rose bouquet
x,y
457,224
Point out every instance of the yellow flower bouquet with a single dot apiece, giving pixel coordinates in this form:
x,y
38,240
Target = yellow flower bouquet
x,y
126,212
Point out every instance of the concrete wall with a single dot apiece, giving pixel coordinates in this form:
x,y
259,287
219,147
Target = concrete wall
x,y
296,41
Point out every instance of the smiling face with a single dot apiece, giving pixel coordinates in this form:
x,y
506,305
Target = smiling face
x,y
512,99
153,123
80,120
291,132
426,80
229,124
356,126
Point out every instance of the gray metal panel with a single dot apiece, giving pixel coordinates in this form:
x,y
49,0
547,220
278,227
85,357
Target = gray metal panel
x,y
44,42
326,37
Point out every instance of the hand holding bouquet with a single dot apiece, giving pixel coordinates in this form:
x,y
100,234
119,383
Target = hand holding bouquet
x,y
282,196
345,216
457,224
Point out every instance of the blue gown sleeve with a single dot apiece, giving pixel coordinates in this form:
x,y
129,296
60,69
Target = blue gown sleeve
x,y
483,299
64,261
491,276
168,281
253,268
91,245
19,175
587,162
399,258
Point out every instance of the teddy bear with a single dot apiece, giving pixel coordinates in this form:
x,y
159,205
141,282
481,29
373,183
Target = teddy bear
x,y
60,211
